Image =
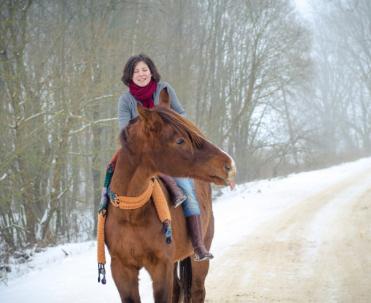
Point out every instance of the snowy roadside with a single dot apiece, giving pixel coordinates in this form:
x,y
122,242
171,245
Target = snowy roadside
x,y
48,257
68,272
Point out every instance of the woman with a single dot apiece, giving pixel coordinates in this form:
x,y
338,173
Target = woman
x,y
143,80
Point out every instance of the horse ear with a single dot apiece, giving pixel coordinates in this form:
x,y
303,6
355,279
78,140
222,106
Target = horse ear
x,y
164,99
149,117
144,114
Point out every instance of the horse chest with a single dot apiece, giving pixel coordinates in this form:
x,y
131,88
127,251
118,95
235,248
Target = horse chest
x,y
137,243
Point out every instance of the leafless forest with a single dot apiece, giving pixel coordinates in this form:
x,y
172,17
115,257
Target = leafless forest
x,y
279,91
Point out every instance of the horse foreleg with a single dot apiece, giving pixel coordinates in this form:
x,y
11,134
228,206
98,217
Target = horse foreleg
x,y
162,277
126,280
200,269
199,273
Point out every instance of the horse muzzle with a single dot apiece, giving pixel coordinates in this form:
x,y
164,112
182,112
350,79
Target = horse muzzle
x,y
231,174
227,177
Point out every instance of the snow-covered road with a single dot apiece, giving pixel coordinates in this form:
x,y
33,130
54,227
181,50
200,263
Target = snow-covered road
x,y
303,238
316,251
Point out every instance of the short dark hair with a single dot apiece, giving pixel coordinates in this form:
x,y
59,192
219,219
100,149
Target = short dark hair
x,y
127,74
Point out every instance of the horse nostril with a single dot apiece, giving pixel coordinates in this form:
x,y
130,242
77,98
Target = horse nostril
x,y
227,167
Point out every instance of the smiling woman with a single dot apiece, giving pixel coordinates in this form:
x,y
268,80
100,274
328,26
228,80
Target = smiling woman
x,y
142,74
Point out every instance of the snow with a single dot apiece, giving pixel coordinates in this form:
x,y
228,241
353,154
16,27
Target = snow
x,y
330,210
69,272
3,177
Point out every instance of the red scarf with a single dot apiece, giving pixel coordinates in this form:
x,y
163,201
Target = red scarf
x,y
144,94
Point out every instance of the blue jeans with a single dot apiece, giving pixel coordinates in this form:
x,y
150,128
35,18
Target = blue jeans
x,y
190,205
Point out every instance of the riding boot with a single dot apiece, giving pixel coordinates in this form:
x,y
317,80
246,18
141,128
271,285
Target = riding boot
x,y
195,231
177,195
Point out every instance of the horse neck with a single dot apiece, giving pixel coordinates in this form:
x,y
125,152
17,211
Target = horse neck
x,y
131,176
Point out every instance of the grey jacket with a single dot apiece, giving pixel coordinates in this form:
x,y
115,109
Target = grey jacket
x,y
127,105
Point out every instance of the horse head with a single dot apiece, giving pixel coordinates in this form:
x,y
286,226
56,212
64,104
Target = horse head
x,y
168,143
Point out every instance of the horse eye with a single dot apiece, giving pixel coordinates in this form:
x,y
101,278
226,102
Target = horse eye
x,y
180,141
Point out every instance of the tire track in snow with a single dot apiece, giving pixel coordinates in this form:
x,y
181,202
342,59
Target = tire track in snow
x,y
292,257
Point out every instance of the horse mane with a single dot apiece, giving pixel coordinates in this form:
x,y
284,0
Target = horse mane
x,y
182,125
185,127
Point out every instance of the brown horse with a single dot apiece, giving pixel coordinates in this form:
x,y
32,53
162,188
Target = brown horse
x,y
161,141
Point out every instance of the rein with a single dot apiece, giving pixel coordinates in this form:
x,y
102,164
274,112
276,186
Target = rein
x,y
129,203
126,202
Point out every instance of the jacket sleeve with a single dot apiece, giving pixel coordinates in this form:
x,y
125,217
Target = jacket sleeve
x,y
174,101
124,113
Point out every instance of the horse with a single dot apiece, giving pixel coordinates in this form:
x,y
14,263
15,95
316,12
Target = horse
x,y
161,141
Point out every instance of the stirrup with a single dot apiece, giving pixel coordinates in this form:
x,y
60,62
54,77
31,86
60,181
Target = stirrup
x,y
180,201
207,256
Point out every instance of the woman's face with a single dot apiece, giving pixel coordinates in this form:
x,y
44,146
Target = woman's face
x,y
142,74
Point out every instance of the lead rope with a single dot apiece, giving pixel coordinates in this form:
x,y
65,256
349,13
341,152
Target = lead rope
x,y
161,206
102,214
